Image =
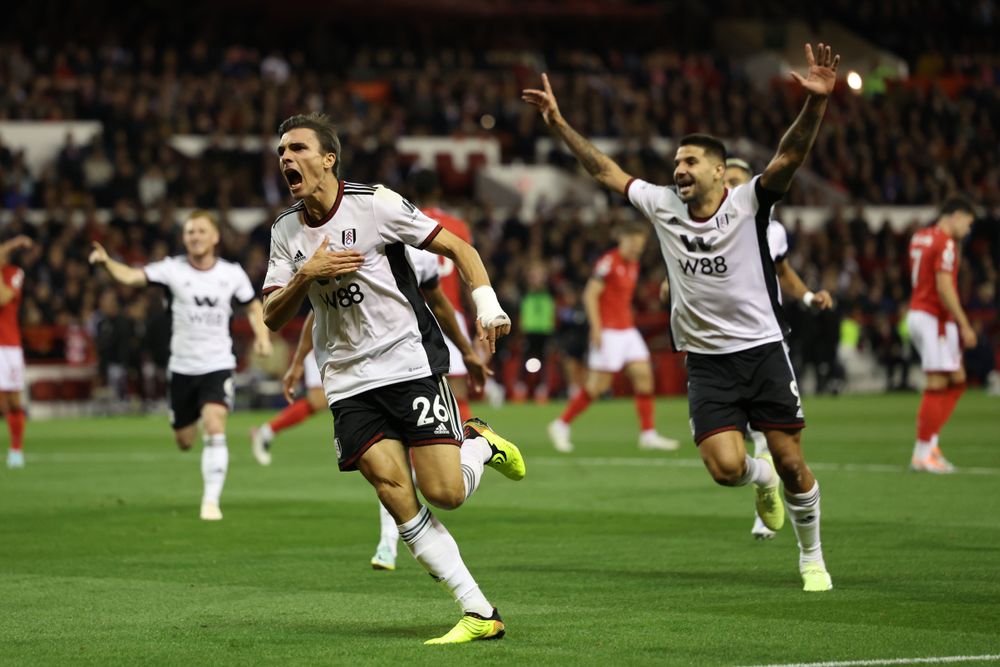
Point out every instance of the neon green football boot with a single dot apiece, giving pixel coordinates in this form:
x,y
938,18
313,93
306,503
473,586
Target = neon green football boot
x,y
769,506
506,457
472,627
815,578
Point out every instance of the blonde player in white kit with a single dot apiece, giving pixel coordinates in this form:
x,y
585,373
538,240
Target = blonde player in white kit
x,y
381,353
724,305
202,288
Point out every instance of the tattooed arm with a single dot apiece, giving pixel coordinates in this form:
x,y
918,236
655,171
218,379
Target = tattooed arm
x,y
604,170
799,138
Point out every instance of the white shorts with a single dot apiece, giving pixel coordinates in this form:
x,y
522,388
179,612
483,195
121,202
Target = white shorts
x,y
312,378
456,366
619,347
11,368
939,352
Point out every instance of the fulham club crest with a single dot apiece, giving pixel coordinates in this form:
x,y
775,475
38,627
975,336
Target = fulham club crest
x,y
348,237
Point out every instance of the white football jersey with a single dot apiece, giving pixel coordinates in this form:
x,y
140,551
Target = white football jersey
x,y
373,327
723,289
201,307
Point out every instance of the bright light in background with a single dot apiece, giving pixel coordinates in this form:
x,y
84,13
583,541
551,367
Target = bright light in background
x,y
533,365
854,81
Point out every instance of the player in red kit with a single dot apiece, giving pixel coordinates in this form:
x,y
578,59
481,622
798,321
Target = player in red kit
x,y
615,343
938,327
11,354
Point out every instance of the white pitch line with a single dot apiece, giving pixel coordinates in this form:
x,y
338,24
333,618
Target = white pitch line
x,y
155,457
892,661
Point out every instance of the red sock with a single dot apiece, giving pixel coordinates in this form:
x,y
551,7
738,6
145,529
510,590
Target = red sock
x,y
577,404
464,411
15,424
949,400
292,415
644,406
929,414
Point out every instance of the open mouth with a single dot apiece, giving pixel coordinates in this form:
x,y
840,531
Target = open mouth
x,y
293,178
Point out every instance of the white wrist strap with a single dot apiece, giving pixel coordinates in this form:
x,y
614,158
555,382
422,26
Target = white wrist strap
x,y
487,306
808,299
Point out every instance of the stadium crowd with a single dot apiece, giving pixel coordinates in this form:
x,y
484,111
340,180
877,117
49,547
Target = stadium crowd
x,y
912,143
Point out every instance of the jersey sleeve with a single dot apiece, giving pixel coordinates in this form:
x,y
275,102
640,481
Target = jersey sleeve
x,y
280,268
645,196
16,282
777,240
244,292
160,273
399,221
425,266
604,267
945,256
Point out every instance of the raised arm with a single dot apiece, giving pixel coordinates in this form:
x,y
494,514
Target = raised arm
x,y
799,138
491,321
604,170
122,273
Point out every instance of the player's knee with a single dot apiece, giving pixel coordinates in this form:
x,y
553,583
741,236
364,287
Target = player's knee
x,y
726,472
443,495
184,441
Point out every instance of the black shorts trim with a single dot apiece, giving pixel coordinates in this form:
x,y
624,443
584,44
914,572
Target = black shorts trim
x,y
434,441
350,464
797,426
708,434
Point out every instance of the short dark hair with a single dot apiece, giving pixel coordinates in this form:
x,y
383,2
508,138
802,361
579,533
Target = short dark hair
x,y
708,143
957,204
325,131
425,183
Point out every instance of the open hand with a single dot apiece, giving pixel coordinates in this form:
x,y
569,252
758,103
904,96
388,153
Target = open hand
x,y
331,263
822,74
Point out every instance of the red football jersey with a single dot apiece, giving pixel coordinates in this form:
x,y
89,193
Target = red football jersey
x,y
620,277
931,251
10,331
451,281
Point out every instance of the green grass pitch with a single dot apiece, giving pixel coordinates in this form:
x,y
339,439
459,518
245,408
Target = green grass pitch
x,y
606,556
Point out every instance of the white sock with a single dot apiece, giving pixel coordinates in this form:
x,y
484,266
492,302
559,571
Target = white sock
x,y
214,463
758,472
803,510
759,442
648,433
434,548
475,453
388,531
922,449
266,432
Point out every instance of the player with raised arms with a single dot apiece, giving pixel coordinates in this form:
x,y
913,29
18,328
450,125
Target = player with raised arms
x,y
724,308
